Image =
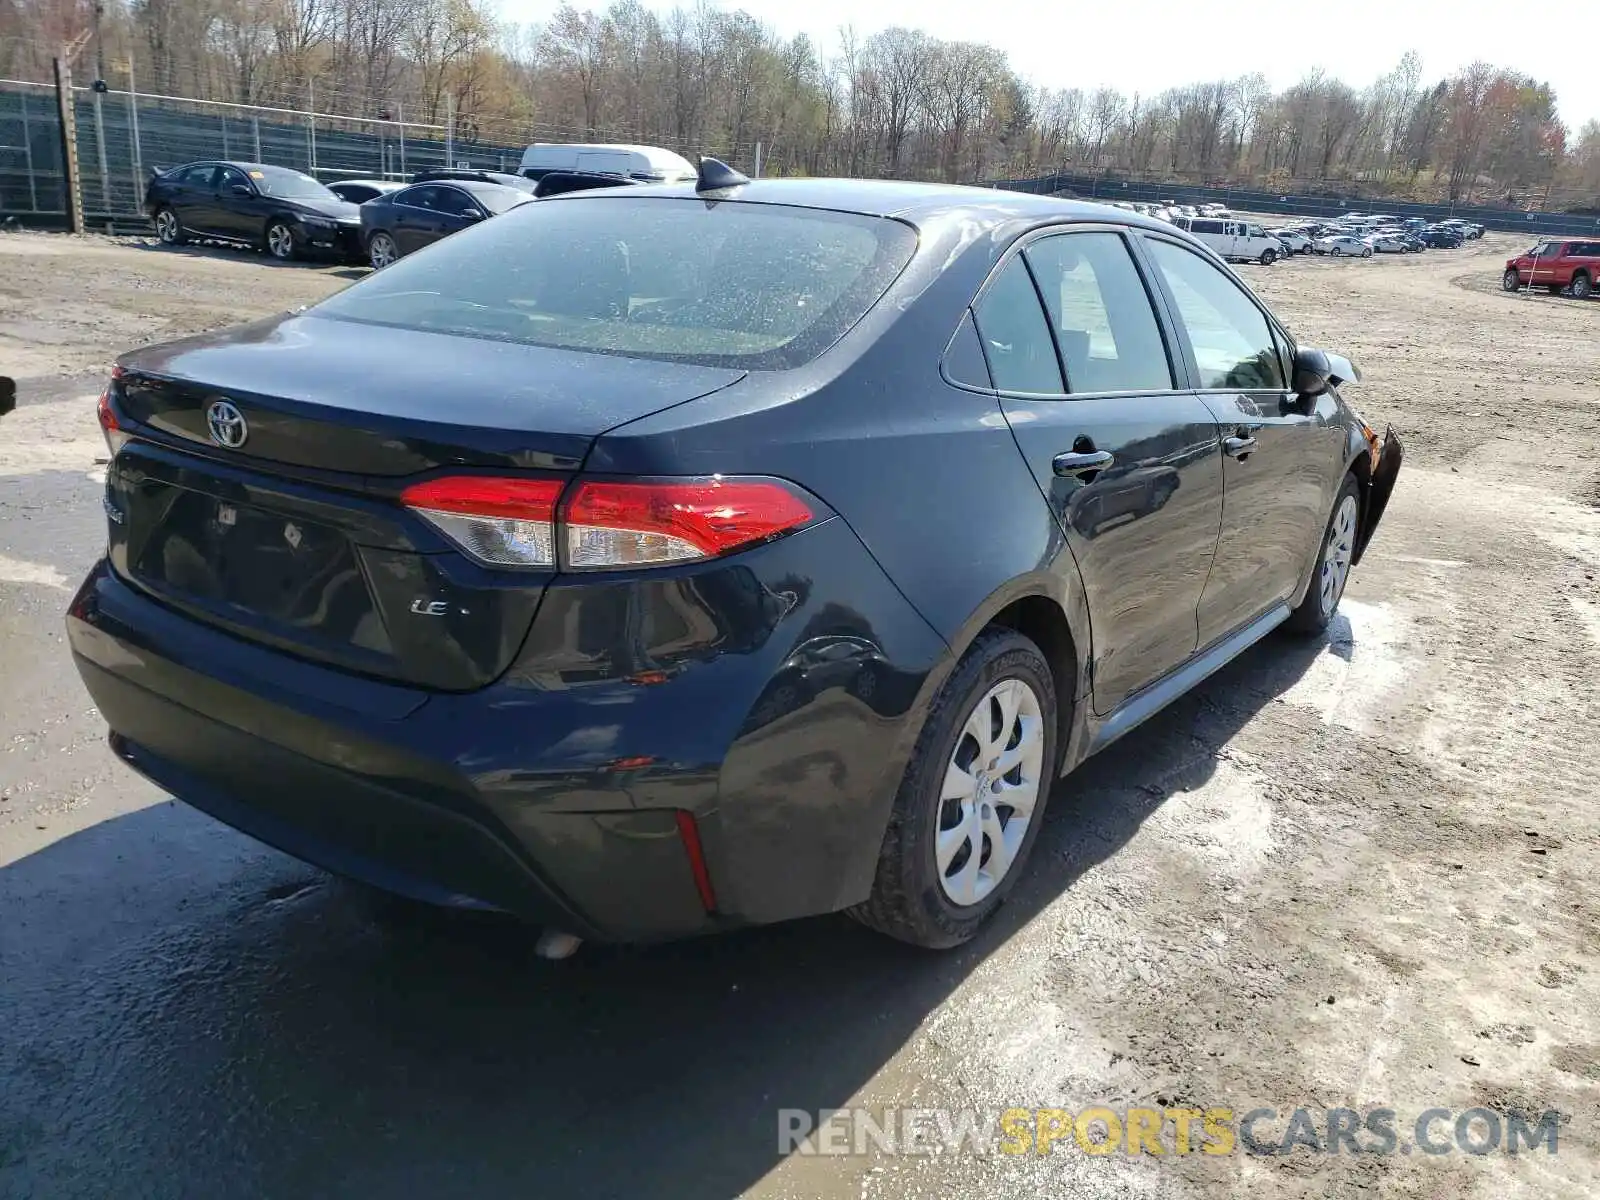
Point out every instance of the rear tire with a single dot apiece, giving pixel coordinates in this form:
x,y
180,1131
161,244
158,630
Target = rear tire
x,y
1331,571
1582,287
169,229
935,885
381,251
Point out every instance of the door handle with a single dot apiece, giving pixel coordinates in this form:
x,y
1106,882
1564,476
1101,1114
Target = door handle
x,y
1082,462
1238,447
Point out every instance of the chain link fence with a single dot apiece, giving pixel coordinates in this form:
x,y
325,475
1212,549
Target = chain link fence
x,y
123,135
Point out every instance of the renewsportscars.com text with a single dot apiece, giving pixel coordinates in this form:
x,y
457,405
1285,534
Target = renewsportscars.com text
x,y
1100,1130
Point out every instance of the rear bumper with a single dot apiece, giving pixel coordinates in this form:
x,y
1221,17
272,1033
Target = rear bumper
x,y
555,794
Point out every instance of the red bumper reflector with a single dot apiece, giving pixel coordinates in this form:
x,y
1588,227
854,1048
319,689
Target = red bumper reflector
x,y
690,833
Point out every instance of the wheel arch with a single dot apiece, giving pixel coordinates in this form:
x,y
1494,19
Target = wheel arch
x,y
1057,621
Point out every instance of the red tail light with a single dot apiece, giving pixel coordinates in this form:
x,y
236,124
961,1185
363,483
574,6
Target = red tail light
x,y
605,524
116,437
502,522
611,524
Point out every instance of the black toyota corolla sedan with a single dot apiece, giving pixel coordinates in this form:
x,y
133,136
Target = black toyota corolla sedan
x,y
276,209
647,562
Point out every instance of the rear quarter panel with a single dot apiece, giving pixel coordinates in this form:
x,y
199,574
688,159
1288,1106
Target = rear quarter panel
x,y
927,474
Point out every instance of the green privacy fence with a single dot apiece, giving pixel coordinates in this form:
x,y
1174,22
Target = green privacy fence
x,y
32,182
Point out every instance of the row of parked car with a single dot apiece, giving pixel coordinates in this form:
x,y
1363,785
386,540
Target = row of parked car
x,y
290,214
1358,235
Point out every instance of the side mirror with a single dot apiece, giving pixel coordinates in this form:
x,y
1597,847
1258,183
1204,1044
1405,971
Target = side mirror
x,y
240,189
1315,371
1312,372
472,214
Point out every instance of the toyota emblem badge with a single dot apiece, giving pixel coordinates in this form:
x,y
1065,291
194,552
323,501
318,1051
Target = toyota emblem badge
x,y
227,425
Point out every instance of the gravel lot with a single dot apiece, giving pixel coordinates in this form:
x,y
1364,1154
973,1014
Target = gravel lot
x,y
1357,873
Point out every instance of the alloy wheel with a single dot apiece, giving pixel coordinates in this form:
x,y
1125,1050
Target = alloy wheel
x,y
280,240
167,226
382,251
991,789
1336,556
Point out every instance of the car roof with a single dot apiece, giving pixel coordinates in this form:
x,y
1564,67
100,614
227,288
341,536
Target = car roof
x,y
478,186
249,166
912,202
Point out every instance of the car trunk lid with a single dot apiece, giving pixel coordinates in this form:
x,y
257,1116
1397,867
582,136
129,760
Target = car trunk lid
x,y
259,492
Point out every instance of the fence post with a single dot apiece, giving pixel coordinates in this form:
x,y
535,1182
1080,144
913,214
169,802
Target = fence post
x,y
450,129
400,112
27,151
255,132
71,180
133,154
100,148
311,124
133,134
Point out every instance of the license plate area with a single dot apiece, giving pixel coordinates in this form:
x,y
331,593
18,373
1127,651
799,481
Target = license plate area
x,y
275,567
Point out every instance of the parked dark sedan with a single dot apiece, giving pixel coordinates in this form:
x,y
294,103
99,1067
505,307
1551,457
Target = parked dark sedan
x,y
275,209
359,191
411,218
647,562
471,175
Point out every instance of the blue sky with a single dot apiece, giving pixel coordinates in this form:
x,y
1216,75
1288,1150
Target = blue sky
x,y
1150,45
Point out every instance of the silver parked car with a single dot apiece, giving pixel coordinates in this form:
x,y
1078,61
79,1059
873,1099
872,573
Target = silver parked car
x,y
1341,246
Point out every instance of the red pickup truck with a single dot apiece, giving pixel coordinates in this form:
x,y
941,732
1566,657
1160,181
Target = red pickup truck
x,y
1556,264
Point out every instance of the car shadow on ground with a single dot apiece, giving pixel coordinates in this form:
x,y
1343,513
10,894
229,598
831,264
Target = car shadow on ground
x,y
228,252
191,1014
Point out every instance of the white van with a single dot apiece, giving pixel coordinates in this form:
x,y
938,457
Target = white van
x,y
648,163
1234,239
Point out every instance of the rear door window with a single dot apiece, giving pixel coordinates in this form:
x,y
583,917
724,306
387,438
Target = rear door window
x,y
454,201
423,196
760,286
1016,335
1101,313
198,177
963,360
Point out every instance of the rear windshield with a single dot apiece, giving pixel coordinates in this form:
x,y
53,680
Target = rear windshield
x,y
721,284
499,199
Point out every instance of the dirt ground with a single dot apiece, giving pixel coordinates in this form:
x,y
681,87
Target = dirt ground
x,y
1359,873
